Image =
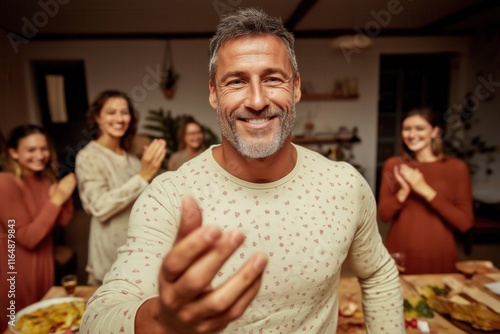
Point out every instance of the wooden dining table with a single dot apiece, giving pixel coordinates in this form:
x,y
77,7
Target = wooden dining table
x,y
350,292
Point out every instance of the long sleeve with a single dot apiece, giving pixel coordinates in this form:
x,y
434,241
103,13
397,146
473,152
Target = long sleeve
x,y
101,196
458,212
388,205
376,272
134,275
30,230
66,214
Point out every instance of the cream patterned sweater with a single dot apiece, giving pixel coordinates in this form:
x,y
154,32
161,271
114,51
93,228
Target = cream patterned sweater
x,y
108,185
308,223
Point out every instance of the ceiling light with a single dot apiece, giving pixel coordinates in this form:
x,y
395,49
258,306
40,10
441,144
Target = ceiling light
x,y
349,42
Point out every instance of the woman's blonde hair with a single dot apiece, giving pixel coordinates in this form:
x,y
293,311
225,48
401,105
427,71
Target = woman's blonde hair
x,y
12,166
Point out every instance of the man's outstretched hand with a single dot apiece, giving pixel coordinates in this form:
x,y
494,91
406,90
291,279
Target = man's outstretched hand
x,y
187,303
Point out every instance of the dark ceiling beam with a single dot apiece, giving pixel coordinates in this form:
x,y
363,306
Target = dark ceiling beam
x,y
382,33
302,9
207,35
461,15
120,36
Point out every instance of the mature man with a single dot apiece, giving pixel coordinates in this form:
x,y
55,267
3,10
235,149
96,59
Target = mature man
x,y
250,236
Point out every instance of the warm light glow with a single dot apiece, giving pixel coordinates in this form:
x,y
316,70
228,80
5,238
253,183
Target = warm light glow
x,y
349,42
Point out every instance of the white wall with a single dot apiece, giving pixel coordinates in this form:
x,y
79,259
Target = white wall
x,y
126,65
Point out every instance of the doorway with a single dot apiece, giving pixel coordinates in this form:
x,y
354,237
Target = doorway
x,y
61,90
62,98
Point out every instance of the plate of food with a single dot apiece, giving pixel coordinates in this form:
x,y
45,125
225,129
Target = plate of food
x,y
51,316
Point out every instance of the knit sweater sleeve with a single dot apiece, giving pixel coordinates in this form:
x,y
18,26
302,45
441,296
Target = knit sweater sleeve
x,y
30,231
99,198
388,205
456,207
66,214
134,276
376,272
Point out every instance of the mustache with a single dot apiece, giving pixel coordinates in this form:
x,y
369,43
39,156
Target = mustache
x,y
268,113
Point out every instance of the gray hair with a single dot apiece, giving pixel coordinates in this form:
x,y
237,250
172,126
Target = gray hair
x,y
249,22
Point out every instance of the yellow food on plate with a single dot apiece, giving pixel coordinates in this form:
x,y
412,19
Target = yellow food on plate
x,y
52,319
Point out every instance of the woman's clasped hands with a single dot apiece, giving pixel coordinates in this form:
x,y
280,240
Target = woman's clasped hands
x,y
152,158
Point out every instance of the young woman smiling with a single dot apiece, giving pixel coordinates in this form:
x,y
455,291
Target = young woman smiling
x,y
110,178
32,202
426,195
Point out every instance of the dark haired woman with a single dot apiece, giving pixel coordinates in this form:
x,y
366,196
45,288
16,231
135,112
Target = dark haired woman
x,y
191,143
110,178
427,196
32,202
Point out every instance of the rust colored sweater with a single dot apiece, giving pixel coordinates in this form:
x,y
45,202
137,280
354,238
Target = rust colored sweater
x,y
423,230
25,208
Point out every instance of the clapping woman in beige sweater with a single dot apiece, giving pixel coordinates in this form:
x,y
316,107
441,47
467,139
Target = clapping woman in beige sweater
x,y
110,178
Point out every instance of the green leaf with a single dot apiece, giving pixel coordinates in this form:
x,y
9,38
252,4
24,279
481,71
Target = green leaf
x,y
424,310
407,306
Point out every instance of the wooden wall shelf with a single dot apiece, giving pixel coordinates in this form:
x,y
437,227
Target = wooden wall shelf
x,y
326,96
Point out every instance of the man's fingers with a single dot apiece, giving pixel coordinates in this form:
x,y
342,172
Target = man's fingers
x,y
187,250
202,269
190,217
235,294
217,323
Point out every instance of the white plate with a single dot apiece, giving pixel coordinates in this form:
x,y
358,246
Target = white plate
x,y
43,304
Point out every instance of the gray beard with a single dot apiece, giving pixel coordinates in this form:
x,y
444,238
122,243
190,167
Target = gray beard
x,y
254,148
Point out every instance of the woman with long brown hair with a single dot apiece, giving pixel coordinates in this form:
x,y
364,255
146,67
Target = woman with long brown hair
x,y
426,195
32,203
110,178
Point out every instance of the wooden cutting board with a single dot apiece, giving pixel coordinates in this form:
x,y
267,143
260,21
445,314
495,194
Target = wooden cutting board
x,y
439,324
420,281
349,291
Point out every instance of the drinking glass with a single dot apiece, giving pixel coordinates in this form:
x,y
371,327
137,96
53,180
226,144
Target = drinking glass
x,y
400,259
69,282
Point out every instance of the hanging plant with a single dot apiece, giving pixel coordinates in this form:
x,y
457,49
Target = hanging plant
x,y
169,83
169,76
